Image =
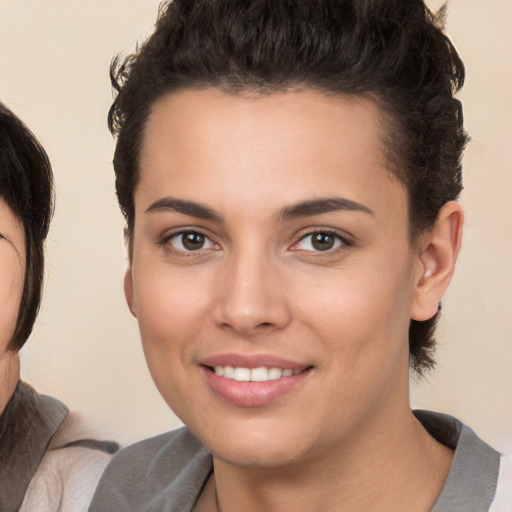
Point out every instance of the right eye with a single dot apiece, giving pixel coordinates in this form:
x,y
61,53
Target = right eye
x,y
190,241
320,241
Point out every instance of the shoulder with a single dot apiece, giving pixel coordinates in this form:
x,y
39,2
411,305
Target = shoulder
x,y
69,471
503,498
169,452
47,461
473,479
65,480
171,466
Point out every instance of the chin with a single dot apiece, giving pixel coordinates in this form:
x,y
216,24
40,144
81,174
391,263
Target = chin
x,y
254,443
245,455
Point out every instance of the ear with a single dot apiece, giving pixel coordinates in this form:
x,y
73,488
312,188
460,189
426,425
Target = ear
x,y
439,249
128,291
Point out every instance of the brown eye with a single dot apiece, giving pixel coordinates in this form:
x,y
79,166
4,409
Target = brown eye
x,y
190,241
323,241
320,241
193,241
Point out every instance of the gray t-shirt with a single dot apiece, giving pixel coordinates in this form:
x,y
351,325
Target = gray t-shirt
x,y
167,473
30,478
27,425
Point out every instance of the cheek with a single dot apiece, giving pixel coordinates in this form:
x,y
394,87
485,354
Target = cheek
x,y
11,288
363,314
362,325
171,308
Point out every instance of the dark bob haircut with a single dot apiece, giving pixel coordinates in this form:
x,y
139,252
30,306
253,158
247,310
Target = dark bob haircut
x,y
392,52
26,186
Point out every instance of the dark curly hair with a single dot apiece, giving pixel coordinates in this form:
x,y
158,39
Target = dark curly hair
x,y
26,186
390,51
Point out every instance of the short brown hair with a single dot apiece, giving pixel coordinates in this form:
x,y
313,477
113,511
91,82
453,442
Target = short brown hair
x,y
394,52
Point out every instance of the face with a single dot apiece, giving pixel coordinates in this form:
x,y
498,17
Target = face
x,y
12,271
272,273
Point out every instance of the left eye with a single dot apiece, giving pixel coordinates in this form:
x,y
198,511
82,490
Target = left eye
x,y
189,241
320,241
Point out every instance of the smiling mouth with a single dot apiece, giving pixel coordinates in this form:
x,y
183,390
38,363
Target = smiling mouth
x,y
254,386
260,374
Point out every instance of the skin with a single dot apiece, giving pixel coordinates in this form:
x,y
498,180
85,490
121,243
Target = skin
x,y
259,286
12,270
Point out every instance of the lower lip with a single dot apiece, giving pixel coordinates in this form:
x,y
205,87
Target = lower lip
x,y
252,394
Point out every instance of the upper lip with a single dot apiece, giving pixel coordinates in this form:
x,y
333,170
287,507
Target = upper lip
x,y
253,361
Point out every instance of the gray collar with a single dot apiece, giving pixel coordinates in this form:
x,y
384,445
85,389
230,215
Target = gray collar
x,y
27,425
469,487
472,479
168,472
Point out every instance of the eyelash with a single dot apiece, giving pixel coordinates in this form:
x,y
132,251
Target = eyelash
x,y
342,242
166,239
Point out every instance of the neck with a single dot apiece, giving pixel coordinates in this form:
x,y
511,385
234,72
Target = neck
x,y
367,474
9,377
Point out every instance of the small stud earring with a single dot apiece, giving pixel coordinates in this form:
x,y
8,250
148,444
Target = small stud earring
x,y
428,273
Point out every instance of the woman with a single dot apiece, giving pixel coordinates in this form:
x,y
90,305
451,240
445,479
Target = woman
x,y
289,173
36,473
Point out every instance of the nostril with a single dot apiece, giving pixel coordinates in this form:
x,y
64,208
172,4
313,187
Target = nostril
x,y
250,314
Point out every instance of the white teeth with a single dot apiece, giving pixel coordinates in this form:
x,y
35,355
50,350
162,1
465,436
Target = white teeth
x,y
228,372
260,374
275,373
242,374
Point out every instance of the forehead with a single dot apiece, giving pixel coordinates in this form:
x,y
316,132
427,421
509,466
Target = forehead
x,y
263,149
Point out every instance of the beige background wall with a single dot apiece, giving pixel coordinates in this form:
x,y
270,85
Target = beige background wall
x,y
54,58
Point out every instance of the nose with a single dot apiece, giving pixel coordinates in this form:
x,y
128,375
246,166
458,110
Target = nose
x,y
251,296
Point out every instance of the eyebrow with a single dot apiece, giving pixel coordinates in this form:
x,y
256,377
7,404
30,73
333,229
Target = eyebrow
x,y
295,211
320,206
190,208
